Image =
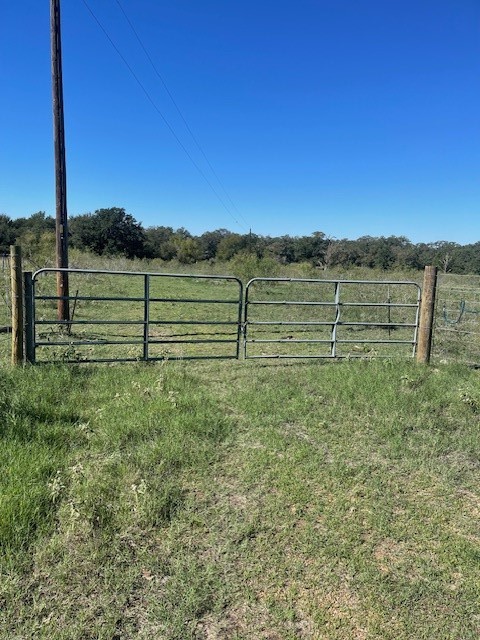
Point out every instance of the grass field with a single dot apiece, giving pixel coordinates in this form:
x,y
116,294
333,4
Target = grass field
x,y
225,500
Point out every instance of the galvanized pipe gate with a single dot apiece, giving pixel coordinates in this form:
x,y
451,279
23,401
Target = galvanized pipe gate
x,y
141,303
327,311
324,318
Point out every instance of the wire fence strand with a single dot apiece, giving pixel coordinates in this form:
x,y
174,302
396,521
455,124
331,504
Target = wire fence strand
x,y
457,320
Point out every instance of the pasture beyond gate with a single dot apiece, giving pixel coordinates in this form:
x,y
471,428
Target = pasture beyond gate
x,y
122,316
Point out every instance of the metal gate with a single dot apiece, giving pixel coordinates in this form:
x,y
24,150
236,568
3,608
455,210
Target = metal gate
x,y
158,316
148,317
299,318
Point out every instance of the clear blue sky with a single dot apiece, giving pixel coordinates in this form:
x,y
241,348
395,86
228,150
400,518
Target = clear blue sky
x,y
352,117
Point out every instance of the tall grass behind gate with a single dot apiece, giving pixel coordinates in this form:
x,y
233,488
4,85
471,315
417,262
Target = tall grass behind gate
x,y
457,319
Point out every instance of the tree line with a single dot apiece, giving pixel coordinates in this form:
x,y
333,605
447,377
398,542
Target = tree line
x,y
113,231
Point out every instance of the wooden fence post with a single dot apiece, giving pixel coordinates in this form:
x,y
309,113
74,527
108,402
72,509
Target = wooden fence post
x,y
17,304
425,329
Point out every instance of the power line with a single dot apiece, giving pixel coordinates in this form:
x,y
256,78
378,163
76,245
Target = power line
x,y
154,105
169,93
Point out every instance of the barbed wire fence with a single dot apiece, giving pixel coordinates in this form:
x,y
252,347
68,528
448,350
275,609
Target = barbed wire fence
x,y
6,302
457,319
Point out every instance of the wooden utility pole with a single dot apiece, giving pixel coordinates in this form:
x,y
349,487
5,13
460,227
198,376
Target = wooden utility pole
x,y
17,304
60,165
425,329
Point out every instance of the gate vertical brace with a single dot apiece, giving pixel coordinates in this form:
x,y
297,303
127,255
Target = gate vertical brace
x,y
417,322
241,326
333,348
29,318
146,316
389,313
245,322
17,303
425,329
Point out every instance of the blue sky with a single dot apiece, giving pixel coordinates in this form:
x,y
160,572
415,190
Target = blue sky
x,y
351,117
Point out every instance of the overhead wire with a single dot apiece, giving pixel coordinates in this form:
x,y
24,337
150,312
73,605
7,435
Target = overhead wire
x,y
179,111
157,109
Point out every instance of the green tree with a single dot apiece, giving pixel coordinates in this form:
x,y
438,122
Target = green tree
x,y
312,248
160,243
37,224
230,245
445,255
39,248
188,250
343,253
209,242
109,231
7,233
282,249
467,259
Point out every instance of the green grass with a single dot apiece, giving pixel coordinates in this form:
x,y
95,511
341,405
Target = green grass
x,y
241,501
